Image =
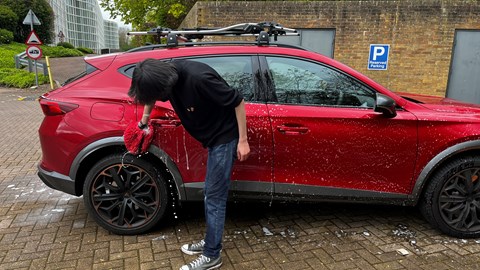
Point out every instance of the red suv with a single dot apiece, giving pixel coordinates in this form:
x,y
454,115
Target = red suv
x,y
318,130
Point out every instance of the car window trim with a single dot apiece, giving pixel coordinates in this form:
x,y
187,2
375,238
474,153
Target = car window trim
x,y
266,70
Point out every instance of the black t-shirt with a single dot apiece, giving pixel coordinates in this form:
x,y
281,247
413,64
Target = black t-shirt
x,y
205,103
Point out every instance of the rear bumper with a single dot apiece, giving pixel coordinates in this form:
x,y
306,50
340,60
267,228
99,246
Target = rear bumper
x,y
57,181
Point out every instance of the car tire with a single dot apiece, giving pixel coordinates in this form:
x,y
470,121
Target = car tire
x,y
125,195
451,200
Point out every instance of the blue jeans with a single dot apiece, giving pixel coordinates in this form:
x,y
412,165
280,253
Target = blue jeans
x,y
217,182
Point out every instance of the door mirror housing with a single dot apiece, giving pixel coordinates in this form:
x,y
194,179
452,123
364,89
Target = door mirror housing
x,y
385,105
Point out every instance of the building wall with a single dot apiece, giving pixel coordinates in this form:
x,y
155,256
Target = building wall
x,y
60,18
82,24
111,35
85,24
420,32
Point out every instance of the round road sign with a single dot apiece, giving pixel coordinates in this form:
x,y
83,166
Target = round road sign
x,y
34,52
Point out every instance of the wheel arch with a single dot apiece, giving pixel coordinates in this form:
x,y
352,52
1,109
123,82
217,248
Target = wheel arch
x,y
447,155
93,152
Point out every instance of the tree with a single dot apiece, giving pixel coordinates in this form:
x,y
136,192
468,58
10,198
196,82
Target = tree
x,y
8,18
166,13
42,10
124,40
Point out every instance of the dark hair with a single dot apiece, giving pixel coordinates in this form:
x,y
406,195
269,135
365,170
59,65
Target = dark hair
x,y
152,80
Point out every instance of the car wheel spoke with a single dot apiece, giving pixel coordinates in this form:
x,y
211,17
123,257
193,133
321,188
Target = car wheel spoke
x,y
147,208
114,172
140,184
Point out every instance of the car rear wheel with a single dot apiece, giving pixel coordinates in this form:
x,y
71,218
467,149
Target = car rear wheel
x,y
451,200
125,196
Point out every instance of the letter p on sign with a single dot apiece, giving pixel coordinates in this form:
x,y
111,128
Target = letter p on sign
x,y
378,51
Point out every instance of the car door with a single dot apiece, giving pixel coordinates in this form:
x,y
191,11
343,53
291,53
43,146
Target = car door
x,y
327,137
253,176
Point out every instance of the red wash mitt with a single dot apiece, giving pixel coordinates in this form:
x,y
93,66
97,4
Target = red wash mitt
x,y
138,140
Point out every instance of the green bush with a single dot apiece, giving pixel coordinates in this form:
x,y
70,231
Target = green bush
x,y
19,78
66,45
8,18
85,50
8,52
60,51
6,36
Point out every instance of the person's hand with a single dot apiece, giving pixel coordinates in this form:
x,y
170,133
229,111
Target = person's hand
x,y
243,150
142,125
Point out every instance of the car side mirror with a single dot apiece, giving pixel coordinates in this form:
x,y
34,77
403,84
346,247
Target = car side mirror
x,y
386,105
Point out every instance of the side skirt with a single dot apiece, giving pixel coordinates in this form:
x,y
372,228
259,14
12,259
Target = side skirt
x,y
250,190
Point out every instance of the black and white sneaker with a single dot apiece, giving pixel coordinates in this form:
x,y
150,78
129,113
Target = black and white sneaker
x,y
203,263
192,249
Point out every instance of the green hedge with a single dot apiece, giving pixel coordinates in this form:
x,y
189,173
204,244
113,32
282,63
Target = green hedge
x,y
6,36
85,50
20,78
59,51
66,45
8,52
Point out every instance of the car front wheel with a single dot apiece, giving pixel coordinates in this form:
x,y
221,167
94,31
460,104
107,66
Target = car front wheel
x,y
451,200
125,196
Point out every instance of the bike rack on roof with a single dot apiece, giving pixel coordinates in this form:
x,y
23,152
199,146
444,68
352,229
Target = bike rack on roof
x,y
263,31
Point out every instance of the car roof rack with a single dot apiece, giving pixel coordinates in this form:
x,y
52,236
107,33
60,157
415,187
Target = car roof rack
x,y
188,44
263,31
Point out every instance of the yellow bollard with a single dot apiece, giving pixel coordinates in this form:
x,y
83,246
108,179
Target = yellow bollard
x,y
49,72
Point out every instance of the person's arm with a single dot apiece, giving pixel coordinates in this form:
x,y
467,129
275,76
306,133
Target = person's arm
x,y
243,149
147,109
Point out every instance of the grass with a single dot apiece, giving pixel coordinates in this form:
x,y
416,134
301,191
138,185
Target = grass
x,y
19,78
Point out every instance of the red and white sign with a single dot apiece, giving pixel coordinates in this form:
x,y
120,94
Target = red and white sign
x,y
34,52
33,39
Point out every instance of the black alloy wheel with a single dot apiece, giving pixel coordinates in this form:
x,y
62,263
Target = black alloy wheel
x,y
128,197
452,199
459,200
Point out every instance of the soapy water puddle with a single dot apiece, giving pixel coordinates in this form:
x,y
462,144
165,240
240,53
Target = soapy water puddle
x,y
402,232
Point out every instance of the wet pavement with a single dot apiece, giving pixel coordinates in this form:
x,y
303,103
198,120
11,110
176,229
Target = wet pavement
x,y
41,228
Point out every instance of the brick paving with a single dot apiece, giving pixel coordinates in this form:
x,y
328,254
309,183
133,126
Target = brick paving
x,y
41,228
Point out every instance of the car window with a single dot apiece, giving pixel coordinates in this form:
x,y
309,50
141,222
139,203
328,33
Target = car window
x,y
236,71
303,82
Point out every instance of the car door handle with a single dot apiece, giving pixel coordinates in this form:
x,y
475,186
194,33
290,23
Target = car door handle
x,y
166,122
292,130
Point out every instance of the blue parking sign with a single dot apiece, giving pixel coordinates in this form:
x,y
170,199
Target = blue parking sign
x,y
378,59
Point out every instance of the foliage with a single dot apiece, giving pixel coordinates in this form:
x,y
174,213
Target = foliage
x,y
124,40
8,18
59,51
13,77
8,52
167,13
85,50
42,10
5,36
66,45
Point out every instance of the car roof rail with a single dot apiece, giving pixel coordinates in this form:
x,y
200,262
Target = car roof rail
x,y
192,44
263,31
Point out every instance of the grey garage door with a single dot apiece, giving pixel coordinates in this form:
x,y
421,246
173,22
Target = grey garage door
x,y
464,78
317,40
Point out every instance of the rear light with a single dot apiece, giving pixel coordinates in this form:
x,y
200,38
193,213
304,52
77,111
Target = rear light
x,y
52,108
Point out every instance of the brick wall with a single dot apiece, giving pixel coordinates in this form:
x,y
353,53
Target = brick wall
x,y
420,32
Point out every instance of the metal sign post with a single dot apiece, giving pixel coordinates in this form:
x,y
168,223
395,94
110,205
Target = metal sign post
x,y
33,39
